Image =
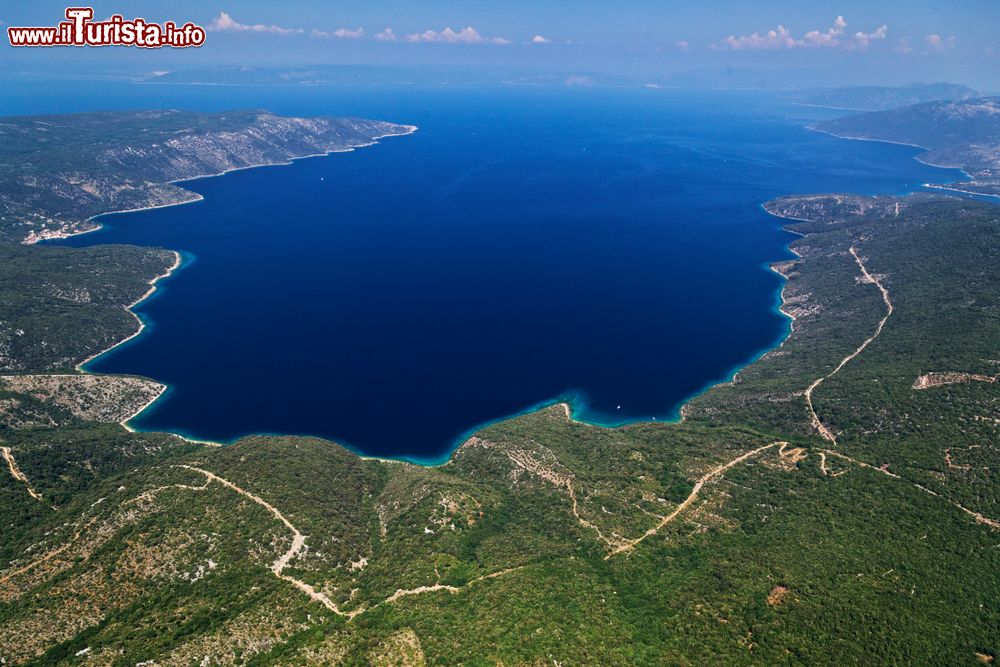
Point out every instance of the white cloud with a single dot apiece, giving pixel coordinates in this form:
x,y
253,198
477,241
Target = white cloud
x,y
937,43
779,38
386,35
828,38
863,39
345,33
540,39
225,23
931,44
782,38
683,45
468,35
342,33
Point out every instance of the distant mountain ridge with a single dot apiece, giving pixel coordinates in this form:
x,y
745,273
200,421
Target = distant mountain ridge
x,y
353,75
733,78
881,98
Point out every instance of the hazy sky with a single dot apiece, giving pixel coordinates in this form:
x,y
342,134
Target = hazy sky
x,y
869,41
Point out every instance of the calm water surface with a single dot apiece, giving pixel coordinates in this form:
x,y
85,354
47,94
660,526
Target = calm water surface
x,y
525,246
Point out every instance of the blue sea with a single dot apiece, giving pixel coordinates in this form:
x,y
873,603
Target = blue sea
x,y
527,245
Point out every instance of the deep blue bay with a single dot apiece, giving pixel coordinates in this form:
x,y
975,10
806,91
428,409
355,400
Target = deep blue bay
x,y
526,245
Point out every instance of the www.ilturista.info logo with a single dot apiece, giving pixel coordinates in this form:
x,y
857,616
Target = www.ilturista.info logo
x,y
81,30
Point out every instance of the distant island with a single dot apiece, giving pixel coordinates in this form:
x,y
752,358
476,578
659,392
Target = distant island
x,y
963,134
880,98
52,180
352,75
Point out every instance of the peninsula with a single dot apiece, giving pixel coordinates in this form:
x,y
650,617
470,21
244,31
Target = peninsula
x,y
53,181
963,134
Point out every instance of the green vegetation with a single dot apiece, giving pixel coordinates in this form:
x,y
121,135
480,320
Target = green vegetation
x,y
963,134
739,536
52,181
62,305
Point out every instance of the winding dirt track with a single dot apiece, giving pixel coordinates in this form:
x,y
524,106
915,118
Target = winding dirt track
x,y
829,436
868,278
822,464
817,423
18,475
992,523
617,546
401,593
612,542
529,464
48,556
299,542
706,478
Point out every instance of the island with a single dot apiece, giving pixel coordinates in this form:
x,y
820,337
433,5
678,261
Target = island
x,y
881,98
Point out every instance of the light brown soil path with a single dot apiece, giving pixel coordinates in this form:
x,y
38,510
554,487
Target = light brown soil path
x,y
950,463
868,278
828,435
612,542
705,479
278,566
401,593
298,542
47,557
526,461
18,475
992,523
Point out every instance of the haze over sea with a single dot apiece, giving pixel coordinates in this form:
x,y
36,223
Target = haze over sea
x,y
526,245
